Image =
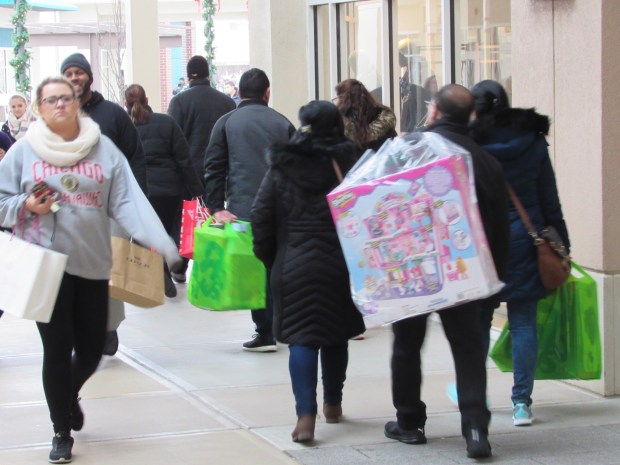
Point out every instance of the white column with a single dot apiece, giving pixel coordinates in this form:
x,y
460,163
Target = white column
x,y
564,64
142,40
278,46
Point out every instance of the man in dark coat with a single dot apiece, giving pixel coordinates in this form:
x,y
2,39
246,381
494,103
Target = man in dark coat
x,y
115,123
112,119
196,110
235,164
449,114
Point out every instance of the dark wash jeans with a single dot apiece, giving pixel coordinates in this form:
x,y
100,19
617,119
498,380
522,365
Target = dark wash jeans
x,y
303,364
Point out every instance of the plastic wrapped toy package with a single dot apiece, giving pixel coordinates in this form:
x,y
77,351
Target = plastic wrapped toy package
x,y
410,230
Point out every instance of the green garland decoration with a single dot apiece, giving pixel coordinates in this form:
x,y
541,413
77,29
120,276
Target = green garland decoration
x,y
209,8
21,56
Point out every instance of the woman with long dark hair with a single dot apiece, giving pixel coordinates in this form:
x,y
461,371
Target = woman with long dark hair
x,y
367,123
295,236
168,167
516,137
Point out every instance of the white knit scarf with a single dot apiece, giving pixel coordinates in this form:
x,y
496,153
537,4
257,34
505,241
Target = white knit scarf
x,y
19,126
53,149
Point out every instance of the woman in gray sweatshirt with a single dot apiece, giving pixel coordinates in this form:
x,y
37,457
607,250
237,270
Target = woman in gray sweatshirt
x,y
92,183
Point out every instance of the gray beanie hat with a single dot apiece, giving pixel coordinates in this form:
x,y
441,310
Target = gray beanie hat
x,y
78,60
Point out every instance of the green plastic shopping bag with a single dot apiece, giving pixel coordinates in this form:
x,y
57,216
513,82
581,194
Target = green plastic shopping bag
x,y
569,342
226,275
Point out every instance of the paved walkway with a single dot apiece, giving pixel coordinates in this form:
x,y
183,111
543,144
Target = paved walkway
x,y
182,392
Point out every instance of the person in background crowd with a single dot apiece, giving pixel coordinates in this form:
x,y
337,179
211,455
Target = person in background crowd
x,y
5,144
516,137
181,86
449,115
235,164
71,146
295,236
366,122
232,91
19,117
168,167
114,123
196,110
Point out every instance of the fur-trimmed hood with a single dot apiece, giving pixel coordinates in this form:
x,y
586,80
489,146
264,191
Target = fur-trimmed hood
x,y
308,163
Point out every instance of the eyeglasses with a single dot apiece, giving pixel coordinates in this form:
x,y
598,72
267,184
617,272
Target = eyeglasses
x,y
335,99
54,99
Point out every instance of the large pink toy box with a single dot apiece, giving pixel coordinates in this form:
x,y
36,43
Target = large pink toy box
x,y
413,240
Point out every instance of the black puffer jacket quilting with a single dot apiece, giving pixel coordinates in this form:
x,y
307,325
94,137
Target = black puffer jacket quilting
x,y
294,235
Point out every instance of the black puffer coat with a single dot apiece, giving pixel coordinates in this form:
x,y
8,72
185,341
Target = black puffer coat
x,y
168,166
294,235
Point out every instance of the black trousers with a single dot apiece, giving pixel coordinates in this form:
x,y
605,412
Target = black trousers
x,y
72,343
167,209
462,328
263,318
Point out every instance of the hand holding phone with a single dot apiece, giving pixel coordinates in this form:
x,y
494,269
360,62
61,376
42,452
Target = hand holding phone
x,y
42,199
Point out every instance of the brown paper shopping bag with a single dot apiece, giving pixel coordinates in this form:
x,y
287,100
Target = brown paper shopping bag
x,y
137,275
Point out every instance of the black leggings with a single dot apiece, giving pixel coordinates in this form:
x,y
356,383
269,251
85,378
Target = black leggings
x,y
72,343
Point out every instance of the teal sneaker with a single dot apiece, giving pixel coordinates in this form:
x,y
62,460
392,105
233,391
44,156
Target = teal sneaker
x,y
452,394
522,414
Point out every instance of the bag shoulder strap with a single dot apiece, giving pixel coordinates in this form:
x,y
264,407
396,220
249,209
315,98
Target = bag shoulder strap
x,y
337,170
522,213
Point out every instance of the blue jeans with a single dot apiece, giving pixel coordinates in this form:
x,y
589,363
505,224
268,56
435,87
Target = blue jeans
x,y
303,368
522,322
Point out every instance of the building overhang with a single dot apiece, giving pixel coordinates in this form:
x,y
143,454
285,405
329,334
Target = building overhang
x,y
43,5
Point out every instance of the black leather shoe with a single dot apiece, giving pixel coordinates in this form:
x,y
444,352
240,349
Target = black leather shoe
x,y
478,446
111,343
260,343
408,436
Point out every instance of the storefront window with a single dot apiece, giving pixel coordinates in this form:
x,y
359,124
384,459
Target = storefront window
x,y
354,46
483,42
360,54
420,56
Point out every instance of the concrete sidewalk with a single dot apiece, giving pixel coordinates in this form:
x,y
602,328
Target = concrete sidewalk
x,y
182,392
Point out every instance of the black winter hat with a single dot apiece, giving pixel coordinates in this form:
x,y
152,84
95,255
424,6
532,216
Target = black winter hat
x,y
78,60
197,67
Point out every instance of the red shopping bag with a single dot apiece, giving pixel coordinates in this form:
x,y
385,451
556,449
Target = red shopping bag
x,y
194,214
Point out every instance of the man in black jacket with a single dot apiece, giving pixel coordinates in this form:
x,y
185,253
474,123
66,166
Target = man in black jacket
x,y
115,123
449,114
196,110
235,164
111,118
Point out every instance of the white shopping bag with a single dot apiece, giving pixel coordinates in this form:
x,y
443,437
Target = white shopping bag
x,y
30,277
